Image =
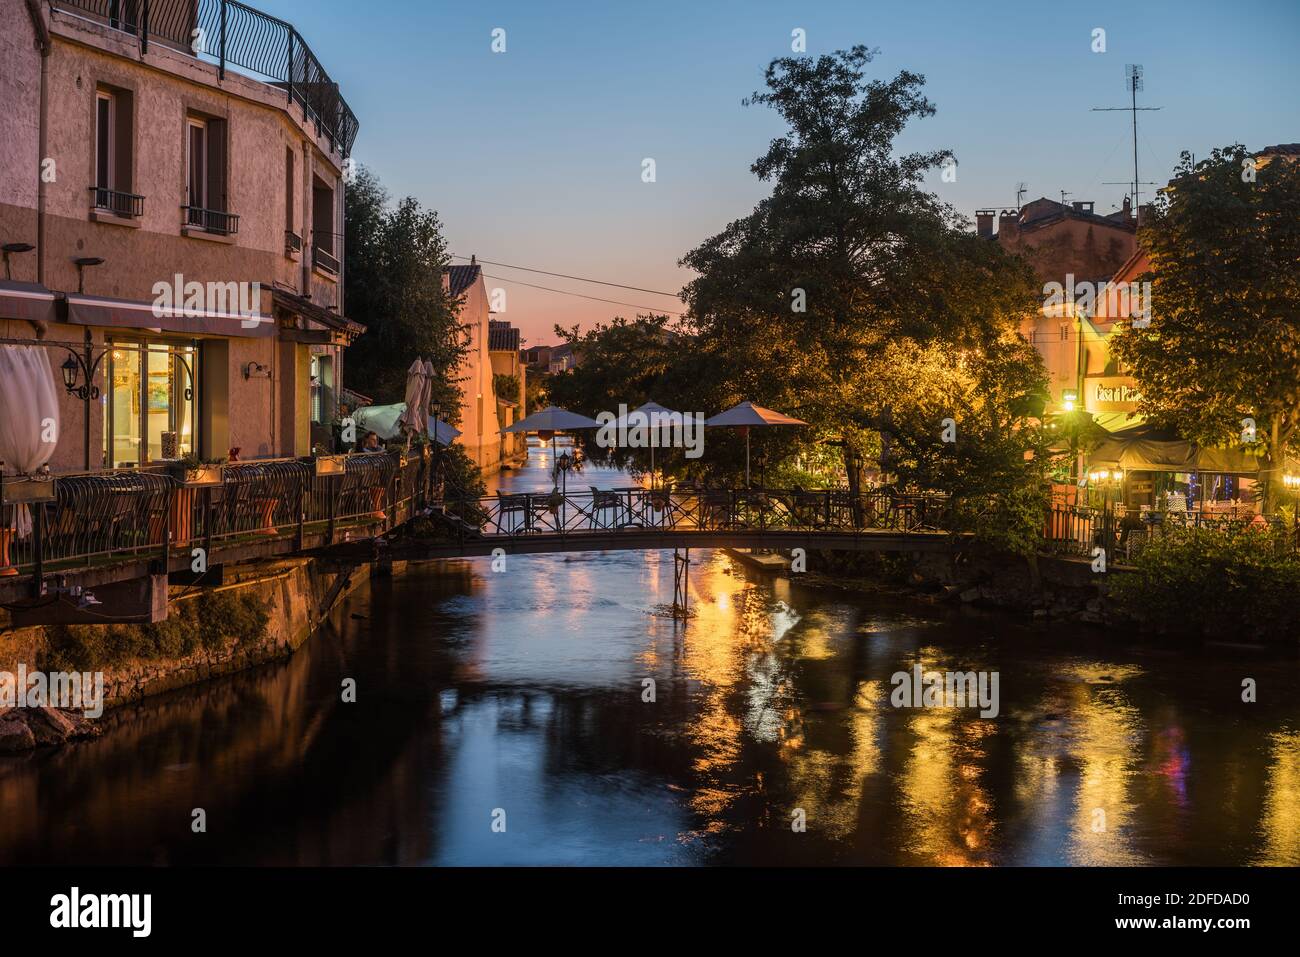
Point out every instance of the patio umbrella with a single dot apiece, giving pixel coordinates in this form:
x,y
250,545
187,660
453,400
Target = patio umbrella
x,y
386,422
550,420
747,415
652,415
414,416
29,399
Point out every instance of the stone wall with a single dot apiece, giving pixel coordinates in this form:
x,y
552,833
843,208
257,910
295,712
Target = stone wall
x,y
294,593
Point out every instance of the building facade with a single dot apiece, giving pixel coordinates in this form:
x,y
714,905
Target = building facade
x,y
480,426
172,210
503,350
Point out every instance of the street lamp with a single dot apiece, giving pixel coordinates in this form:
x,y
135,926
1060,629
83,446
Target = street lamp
x,y
1106,480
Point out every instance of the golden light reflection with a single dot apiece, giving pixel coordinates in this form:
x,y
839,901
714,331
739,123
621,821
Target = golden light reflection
x,y
1280,823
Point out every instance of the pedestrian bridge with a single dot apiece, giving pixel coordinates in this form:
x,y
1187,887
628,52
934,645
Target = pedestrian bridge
x,y
680,517
135,531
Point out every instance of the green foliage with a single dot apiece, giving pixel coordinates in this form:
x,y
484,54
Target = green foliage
x,y
394,268
214,622
506,386
1223,343
1224,584
460,473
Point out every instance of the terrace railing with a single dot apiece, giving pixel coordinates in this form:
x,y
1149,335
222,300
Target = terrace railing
x,y
228,32
598,512
129,205
110,517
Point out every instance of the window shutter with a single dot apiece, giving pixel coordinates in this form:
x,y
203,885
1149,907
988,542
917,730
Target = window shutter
x,y
217,199
123,132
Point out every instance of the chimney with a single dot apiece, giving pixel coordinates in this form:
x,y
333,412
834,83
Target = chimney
x,y
1128,208
1082,205
984,223
1008,225
1144,213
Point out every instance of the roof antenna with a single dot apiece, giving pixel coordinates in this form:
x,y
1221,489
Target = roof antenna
x,y
1133,83
1020,191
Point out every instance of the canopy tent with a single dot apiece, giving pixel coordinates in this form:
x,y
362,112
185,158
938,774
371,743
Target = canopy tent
x,y
386,422
746,415
1147,447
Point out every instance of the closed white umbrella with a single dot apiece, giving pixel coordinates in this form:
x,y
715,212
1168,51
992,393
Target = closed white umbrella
x,y
29,403
747,415
414,415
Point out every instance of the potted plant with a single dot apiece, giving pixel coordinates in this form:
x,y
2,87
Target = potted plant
x,y
193,472
554,501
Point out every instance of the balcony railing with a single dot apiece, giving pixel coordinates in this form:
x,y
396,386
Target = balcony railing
x,y
212,220
108,517
128,205
322,251
292,242
226,32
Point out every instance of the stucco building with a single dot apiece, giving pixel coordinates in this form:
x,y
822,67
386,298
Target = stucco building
x,y
480,426
171,204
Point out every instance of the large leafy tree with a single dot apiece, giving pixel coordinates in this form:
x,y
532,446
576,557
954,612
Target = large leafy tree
x,y
809,300
1222,349
395,257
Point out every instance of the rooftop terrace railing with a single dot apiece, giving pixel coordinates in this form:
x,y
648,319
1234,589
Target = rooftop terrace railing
x,y
228,32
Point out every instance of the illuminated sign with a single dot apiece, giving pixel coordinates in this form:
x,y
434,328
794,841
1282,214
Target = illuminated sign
x,y
1117,393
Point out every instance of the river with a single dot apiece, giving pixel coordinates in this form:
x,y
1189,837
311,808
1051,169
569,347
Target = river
x,y
500,718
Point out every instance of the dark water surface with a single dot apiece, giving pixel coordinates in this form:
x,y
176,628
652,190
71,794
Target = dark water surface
x,y
521,692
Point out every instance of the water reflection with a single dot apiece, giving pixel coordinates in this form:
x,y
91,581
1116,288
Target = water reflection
x,y
523,692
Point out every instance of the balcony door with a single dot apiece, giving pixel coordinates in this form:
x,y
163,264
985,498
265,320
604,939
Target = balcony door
x,y
150,405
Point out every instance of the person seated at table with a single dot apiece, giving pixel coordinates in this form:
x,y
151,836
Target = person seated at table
x,y
371,443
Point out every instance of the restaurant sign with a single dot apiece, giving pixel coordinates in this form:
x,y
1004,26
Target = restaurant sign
x,y
1114,393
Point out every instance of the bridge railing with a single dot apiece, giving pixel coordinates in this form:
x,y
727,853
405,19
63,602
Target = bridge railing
x,y
599,511
109,517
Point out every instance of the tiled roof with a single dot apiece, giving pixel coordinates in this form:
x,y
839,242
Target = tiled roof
x,y
460,278
502,337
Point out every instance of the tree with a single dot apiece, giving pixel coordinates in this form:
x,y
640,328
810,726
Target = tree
x,y
1220,359
849,267
395,257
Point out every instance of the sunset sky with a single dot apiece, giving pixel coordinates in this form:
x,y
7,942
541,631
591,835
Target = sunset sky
x,y
533,156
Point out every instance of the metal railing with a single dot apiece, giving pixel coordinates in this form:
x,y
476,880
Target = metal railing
x,y
110,517
292,241
322,254
602,511
117,202
213,220
228,32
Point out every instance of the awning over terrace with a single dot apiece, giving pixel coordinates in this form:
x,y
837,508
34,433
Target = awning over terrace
x,y
27,302
1147,447
131,314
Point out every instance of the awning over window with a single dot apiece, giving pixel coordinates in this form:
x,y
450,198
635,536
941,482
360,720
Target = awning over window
x,y
129,314
27,302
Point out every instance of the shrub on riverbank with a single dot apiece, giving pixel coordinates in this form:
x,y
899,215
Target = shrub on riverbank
x,y
213,622
1222,584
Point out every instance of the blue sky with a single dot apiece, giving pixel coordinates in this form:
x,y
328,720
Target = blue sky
x,y
533,156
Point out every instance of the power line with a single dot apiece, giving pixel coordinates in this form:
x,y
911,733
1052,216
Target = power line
x,y
566,292
560,275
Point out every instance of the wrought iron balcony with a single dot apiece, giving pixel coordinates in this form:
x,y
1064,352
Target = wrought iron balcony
x,y
231,33
128,205
292,242
212,220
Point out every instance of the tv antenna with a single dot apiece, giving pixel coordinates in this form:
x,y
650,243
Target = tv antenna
x,y
1021,189
1133,83
1063,195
